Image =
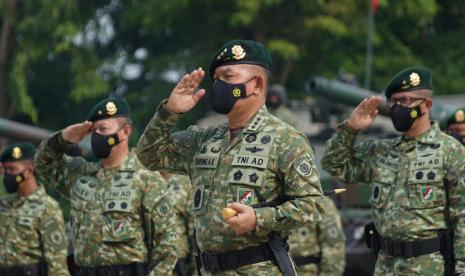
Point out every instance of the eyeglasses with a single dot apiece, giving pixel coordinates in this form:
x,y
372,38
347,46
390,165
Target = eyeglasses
x,y
403,101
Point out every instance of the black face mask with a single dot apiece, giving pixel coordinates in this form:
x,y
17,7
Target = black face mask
x,y
225,95
12,181
459,137
403,117
102,144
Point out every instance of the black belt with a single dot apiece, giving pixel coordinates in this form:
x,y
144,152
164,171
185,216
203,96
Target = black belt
x,y
125,269
31,269
300,260
231,260
408,249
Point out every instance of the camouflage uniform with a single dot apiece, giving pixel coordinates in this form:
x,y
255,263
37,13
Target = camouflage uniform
x,y
408,179
266,159
109,207
323,240
285,114
32,231
179,187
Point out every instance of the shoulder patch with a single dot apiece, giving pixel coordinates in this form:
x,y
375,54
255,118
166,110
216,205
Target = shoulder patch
x,y
53,236
304,165
186,138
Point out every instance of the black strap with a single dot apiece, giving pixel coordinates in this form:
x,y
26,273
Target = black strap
x,y
408,249
124,269
231,260
31,269
301,260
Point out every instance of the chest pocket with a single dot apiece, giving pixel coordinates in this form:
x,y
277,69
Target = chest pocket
x,y
121,221
385,175
426,186
248,170
203,171
84,191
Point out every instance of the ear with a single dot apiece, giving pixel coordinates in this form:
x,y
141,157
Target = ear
x,y
127,130
259,86
428,104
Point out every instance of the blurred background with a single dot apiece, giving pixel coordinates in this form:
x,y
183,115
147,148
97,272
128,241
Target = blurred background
x,y
59,57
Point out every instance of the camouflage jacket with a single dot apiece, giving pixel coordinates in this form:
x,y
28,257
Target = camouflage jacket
x,y
114,211
285,114
324,240
268,158
32,230
409,178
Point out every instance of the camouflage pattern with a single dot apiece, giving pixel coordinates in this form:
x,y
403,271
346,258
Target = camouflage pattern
x,y
285,114
325,240
179,186
112,210
266,159
32,231
408,178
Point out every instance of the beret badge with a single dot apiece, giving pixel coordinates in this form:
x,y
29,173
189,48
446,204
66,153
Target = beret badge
x,y
111,108
238,52
16,153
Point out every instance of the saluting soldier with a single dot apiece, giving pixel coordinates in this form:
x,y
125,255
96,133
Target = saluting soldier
x,y
319,248
255,160
32,230
417,180
456,125
121,213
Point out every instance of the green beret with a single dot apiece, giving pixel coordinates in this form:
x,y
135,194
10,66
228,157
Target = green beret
x,y
458,117
109,108
240,52
410,79
18,152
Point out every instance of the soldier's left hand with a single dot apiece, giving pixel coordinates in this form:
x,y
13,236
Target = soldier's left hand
x,y
245,221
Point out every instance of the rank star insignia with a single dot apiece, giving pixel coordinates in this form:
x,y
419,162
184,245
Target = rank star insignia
x,y
237,175
459,116
111,108
238,52
414,79
245,197
253,178
251,138
16,153
236,92
253,149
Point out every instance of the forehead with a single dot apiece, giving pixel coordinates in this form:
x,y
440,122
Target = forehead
x,y
416,93
456,127
106,122
11,165
232,68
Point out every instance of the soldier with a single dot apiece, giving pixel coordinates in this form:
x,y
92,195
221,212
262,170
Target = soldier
x,y
179,187
275,100
319,248
456,125
417,180
255,159
32,230
121,213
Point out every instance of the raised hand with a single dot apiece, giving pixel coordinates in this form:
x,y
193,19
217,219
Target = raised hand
x,y
184,96
75,133
365,113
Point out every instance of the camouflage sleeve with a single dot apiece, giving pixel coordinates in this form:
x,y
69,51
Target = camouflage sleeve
x,y
332,242
160,209
456,182
157,149
300,180
52,165
52,232
345,160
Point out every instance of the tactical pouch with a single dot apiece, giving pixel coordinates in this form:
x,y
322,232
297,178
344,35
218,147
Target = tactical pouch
x,y
372,238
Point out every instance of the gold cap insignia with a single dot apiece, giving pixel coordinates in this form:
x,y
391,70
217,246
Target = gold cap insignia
x,y
111,141
414,114
414,79
111,108
459,116
236,92
17,153
238,52
405,85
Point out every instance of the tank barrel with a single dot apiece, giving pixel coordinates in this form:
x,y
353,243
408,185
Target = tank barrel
x,y
20,131
351,95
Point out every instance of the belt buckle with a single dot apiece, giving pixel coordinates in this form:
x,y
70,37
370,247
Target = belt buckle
x,y
210,261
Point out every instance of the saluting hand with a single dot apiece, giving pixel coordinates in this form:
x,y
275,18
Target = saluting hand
x,y
75,133
365,113
245,221
185,95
